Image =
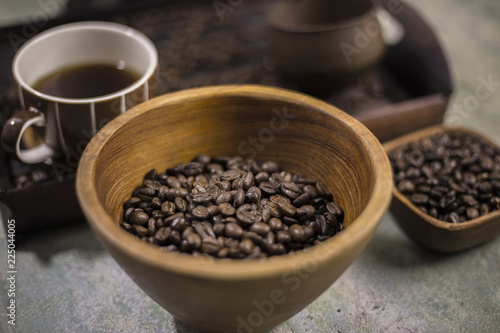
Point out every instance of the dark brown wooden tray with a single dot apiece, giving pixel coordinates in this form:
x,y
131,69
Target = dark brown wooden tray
x,y
199,47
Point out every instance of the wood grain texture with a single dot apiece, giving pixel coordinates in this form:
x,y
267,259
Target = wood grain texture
x,y
299,132
432,233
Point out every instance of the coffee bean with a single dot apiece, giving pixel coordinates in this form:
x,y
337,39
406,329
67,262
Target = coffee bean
x,y
162,235
180,204
322,190
139,218
337,210
151,174
254,209
168,208
267,188
239,198
297,233
270,167
200,212
275,224
419,198
246,246
287,209
303,179
253,194
260,228
173,182
247,216
291,190
233,230
227,209
140,230
302,199
152,184
278,198
305,212
454,217
210,245
283,237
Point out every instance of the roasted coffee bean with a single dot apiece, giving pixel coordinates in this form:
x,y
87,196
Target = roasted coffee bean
x,y
162,235
227,209
202,198
291,190
256,239
168,208
472,213
454,217
247,216
261,177
138,218
192,169
152,184
210,245
224,197
140,230
260,228
421,199
334,208
322,190
305,212
173,182
246,246
265,213
253,194
180,204
267,188
302,199
287,209
274,209
178,223
200,212
132,202
275,224
248,180
233,230
270,167
303,179
297,233
278,198
151,174
239,198
254,209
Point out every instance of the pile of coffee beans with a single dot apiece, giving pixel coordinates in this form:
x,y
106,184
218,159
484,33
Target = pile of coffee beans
x,y
230,207
453,176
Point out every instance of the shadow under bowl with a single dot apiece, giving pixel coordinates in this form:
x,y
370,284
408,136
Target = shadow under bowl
x,y
301,133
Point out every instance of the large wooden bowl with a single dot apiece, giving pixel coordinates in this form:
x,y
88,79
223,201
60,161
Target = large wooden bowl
x,y
301,133
434,234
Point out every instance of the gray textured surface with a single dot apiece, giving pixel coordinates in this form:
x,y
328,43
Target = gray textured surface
x,y
66,282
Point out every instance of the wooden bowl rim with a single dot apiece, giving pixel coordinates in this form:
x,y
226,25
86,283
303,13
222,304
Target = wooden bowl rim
x,y
421,134
359,232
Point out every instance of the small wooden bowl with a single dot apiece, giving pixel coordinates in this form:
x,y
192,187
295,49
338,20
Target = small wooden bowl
x,y
300,133
430,232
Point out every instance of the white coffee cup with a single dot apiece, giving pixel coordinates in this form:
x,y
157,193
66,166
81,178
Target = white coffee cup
x,y
65,125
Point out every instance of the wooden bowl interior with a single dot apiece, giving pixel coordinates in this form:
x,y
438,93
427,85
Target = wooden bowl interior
x,y
162,134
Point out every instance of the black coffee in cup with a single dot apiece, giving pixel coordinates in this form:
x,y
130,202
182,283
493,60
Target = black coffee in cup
x,y
86,81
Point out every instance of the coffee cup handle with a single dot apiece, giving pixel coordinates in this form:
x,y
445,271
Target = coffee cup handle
x,y
13,132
